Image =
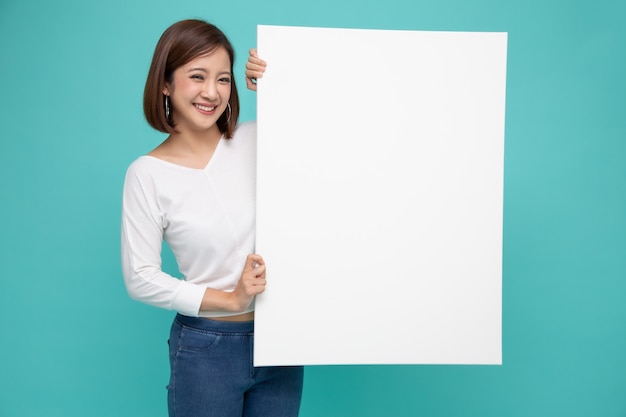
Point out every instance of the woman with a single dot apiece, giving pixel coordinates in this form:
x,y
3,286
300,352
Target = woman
x,y
196,190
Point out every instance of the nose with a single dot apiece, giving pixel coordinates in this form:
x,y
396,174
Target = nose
x,y
210,89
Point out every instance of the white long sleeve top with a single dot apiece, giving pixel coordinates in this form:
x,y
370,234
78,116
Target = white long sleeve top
x,y
207,217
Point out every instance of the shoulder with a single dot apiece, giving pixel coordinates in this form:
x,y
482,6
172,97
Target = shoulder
x,y
246,130
244,139
148,169
142,166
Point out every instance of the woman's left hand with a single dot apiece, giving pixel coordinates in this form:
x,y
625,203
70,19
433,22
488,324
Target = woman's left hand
x,y
255,67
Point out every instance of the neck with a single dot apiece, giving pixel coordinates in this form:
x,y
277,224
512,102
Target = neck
x,y
196,142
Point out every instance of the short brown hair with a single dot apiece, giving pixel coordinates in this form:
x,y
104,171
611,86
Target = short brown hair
x,y
179,44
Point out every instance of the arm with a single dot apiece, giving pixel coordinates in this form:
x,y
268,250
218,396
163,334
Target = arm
x,y
142,234
255,67
251,283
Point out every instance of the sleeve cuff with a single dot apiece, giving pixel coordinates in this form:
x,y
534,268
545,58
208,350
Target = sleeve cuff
x,y
188,299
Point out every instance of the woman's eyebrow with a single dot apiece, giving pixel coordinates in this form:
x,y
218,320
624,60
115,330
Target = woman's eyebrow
x,y
206,71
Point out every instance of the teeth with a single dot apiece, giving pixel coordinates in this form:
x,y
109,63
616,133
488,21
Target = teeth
x,y
205,108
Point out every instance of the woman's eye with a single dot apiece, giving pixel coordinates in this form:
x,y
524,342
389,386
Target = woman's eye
x,y
197,77
225,80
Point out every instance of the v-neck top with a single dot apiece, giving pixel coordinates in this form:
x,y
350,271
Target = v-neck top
x,y
206,216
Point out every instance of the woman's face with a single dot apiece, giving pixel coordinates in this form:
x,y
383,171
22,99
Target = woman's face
x,y
199,92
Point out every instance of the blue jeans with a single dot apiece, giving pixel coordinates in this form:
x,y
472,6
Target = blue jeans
x,y
212,373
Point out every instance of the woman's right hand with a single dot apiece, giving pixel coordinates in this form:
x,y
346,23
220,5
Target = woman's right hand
x,y
251,282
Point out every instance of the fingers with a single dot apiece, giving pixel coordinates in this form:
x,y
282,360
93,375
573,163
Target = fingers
x,y
254,62
254,261
255,67
251,282
251,84
253,287
253,276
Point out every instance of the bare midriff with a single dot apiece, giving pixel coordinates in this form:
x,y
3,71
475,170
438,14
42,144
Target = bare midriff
x,y
249,316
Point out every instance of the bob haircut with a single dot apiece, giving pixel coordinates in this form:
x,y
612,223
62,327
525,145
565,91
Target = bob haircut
x,y
179,44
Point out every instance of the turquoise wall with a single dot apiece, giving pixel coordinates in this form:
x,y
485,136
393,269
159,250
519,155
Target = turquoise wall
x,y
73,344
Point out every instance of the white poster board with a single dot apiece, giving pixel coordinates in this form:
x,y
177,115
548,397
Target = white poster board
x,y
379,196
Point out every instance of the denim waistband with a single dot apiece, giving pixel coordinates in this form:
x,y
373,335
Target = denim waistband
x,y
215,325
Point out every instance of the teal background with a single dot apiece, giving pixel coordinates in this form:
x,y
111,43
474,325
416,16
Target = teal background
x,y
72,342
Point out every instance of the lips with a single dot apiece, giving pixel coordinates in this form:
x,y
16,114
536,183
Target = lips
x,y
205,108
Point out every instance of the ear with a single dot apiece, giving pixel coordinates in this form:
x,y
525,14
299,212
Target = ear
x,y
166,89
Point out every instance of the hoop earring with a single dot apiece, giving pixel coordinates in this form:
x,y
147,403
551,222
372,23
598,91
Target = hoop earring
x,y
230,111
220,121
166,99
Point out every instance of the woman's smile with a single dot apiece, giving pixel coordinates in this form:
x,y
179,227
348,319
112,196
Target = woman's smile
x,y
206,108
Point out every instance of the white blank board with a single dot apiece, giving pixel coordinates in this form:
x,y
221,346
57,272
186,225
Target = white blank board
x,y
379,196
